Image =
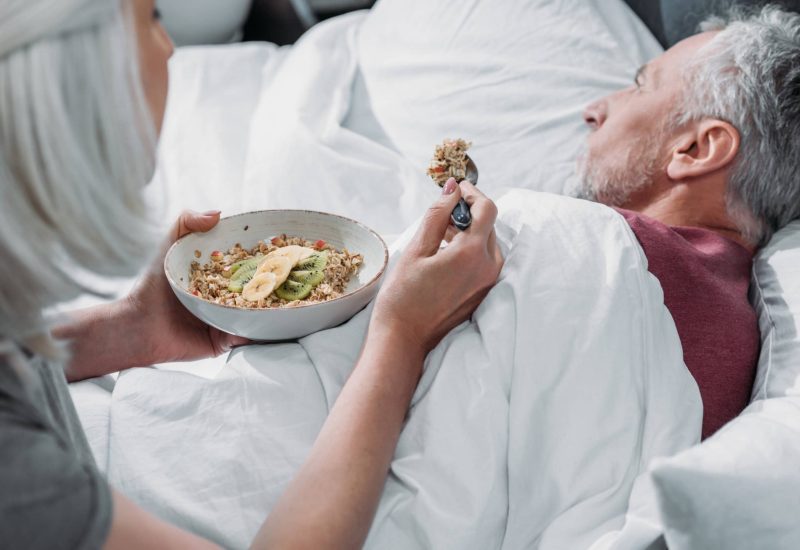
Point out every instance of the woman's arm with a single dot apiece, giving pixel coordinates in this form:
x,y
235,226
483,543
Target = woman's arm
x,y
332,500
330,503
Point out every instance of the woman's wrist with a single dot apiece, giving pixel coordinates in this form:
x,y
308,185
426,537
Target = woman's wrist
x,y
388,321
103,339
398,334
396,354
136,331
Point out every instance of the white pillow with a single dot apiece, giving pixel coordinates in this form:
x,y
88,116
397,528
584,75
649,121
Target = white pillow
x,y
776,297
513,77
740,489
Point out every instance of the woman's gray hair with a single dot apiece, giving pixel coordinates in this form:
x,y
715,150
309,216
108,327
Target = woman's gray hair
x,y
749,75
77,147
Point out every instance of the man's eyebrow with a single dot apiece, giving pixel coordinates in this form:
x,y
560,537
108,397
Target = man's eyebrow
x,y
648,74
640,73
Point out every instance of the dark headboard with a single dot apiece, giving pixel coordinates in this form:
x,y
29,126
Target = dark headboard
x,y
673,20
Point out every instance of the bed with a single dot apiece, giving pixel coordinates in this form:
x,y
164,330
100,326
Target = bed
x,y
324,124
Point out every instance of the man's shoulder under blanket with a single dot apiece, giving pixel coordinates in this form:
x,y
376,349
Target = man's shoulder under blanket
x,y
705,278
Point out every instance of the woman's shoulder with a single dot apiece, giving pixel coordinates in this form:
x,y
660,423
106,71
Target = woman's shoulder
x,y
67,501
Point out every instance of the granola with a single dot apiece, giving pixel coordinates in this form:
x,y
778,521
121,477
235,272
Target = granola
x,y
210,281
449,161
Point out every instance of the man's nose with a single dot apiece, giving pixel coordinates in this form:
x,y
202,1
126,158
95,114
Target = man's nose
x,y
595,114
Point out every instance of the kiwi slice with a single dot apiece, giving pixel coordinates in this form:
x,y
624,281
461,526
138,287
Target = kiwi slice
x,y
312,278
292,290
244,272
235,266
315,262
236,286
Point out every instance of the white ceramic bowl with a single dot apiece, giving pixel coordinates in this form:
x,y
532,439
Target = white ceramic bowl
x,y
279,323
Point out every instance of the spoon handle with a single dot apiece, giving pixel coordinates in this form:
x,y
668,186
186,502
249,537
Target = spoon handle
x,y
461,217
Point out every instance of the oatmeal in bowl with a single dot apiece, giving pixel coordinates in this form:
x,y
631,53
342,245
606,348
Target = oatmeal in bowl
x,y
277,274
284,271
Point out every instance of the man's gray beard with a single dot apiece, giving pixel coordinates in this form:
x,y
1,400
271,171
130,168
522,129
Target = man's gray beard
x,y
614,185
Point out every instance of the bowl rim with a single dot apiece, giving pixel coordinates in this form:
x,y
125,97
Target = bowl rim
x,y
366,285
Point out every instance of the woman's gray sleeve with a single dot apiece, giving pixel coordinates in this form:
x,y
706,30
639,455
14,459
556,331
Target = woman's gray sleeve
x,y
48,497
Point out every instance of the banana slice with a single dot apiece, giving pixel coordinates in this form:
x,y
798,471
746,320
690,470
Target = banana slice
x,y
305,253
279,265
259,287
294,252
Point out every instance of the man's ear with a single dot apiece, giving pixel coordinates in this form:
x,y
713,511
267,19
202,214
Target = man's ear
x,y
705,147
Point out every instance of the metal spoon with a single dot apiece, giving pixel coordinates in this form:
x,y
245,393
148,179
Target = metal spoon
x,y
461,216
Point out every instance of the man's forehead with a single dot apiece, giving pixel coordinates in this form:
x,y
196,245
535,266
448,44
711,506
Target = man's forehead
x,y
680,54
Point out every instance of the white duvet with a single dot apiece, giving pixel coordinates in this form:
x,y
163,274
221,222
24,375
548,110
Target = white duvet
x,y
533,422
529,427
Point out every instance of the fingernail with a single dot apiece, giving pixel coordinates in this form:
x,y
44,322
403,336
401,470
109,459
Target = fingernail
x,y
449,186
212,212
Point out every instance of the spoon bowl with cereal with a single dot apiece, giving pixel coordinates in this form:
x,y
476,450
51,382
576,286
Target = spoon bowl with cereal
x,y
450,160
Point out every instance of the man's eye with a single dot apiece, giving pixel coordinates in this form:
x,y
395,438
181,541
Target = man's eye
x,y
156,14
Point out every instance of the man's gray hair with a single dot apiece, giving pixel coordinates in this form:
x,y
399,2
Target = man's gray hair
x,y
749,75
77,147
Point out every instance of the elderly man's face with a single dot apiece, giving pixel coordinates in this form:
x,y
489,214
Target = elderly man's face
x,y
630,144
